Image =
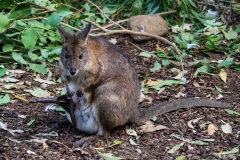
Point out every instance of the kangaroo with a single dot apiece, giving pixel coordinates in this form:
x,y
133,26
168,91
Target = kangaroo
x,y
105,88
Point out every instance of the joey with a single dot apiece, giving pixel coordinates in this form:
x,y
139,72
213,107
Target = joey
x,y
104,87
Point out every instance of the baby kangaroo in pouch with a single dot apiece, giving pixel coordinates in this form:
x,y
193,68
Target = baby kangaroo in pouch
x,y
104,87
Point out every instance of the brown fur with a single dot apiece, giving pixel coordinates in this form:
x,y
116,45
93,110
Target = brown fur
x,y
105,87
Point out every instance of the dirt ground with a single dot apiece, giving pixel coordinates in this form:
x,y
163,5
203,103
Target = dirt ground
x,y
152,145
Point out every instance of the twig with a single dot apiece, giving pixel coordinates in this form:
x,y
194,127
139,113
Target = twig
x,y
173,125
137,47
105,14
125,20
43,18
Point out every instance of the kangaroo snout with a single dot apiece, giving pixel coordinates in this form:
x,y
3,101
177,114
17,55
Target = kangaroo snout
x,y
72,71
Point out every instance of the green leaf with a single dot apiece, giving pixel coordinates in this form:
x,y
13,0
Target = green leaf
x,y
165,62
227,62
234,150
37,92
231,34
3,22
20,11
3,71
38,68
209,140
200,143
7,47
175,148
54,19
238,28
145,54
229,111
63,11
156,67
29,38
132,142
18,58
167,83
31,122
180,158
60,109
206,69
33,56
218,89
108,156
5,99
185,36
5,3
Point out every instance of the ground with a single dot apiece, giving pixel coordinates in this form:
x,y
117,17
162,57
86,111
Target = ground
x,y
152,145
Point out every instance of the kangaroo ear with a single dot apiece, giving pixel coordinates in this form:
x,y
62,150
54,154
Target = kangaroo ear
x,y
64,34
82,35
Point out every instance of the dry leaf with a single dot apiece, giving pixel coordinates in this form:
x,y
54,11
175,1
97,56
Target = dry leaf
x,y
150,127
158,48
211,129
226,128
44,81
131,132
190,147
16,71
161,90
223,75
193,121
150,99
81,150
153,83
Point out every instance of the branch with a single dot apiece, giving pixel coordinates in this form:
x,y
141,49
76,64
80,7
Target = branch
x,y
105,15
125,20
43,18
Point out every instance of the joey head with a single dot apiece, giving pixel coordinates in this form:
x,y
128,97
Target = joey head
x,y
105,88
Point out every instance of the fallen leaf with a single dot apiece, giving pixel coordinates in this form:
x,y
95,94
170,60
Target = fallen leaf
x,y
44,81
12,131
5,99
113,40
13,140
31,152
153,83
8,79
161,90
81,150
234,150
38,92
149,99
223,75
180,158
16,71
190,147
193,121
211,129
138,150
175,148
132,142
226,128
108,156
158,48
150,127
131,132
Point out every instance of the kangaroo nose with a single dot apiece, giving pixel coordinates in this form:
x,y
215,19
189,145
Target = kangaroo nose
x,y
72,71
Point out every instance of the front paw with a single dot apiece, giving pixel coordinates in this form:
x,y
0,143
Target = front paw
x,y
75,99
80,143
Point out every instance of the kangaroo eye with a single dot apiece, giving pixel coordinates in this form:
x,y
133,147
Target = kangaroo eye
x,y
80,56
66,56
